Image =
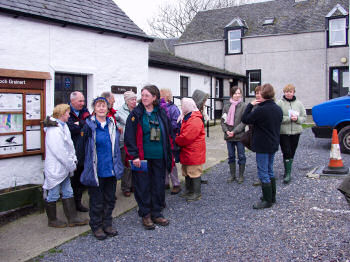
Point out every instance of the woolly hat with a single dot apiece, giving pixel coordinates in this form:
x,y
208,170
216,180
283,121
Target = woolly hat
x,y
199,97
129,95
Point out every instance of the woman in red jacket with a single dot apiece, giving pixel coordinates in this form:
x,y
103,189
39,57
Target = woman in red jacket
x,y
192,143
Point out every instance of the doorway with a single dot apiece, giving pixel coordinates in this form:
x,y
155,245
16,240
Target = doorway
x,y
338,81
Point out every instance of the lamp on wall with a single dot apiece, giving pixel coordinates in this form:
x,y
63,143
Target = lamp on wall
x,y
343,60
230,80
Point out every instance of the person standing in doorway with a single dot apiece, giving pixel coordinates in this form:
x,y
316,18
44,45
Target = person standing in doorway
x,y
77,116
233,128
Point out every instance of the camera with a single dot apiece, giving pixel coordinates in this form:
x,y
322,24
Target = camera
x,y
154,134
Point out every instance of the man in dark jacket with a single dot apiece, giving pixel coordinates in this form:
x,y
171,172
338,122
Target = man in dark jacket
x,y
76,121
266,120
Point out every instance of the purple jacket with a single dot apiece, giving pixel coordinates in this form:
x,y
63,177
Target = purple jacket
x,y
174,113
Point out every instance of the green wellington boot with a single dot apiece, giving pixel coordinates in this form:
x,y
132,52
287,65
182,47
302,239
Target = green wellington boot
x,y
288,170
266,202
188,187
232,173
196,195
241,173
50,208
71,213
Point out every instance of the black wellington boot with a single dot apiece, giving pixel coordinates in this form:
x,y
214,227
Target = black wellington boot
x,y
273,190
196,195
50,208
188,187
71,213
77,198
266,202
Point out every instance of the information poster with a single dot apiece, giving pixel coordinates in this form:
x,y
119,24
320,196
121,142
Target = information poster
x,y
32,107
11,144
10,123
11,102
33,138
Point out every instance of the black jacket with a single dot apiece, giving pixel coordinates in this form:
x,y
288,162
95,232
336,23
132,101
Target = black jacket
x,y
76,129
133,135
266,120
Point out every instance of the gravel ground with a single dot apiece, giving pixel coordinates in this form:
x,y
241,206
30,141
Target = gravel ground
x,y
309,222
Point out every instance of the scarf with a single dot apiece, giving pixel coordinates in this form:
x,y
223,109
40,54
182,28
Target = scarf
x,y
187,106
230,120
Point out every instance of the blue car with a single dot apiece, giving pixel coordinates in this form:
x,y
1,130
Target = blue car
x,y
331,114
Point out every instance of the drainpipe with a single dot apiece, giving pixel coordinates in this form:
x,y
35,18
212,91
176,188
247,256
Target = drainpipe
x,y
211,103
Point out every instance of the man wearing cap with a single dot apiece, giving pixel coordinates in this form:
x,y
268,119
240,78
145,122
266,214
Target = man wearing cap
x,y
77,116
121,117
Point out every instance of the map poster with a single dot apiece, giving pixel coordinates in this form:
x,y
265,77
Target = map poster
x,y
10,102
11,144
33,107
10,123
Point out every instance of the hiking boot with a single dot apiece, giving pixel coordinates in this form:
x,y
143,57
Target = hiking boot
x,y
110,231
161,221
147,222
100,234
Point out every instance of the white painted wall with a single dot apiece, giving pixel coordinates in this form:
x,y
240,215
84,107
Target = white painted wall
x,y
165,78
106,59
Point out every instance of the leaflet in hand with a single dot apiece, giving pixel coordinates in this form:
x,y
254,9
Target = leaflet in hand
x,y
292,113
142,168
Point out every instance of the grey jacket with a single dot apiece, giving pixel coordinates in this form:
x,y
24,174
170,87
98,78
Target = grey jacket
x,y
121,116
238,127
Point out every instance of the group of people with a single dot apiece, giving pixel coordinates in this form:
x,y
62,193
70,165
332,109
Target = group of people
x,y
270,125
140,143
95,150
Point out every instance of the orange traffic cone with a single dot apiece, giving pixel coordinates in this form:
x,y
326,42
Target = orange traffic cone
x,y
335,165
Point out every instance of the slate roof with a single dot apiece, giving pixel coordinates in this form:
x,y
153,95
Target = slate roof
x,y
170,61
290,17
103,15
164,45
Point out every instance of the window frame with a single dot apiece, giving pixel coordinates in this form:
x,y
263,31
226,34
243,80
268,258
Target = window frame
x,y
248,72
227,40
329,31
182,87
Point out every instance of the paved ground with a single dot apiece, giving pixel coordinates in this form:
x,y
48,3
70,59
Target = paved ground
x,y
29,236
309,222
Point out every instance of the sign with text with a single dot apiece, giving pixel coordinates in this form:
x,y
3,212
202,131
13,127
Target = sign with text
x,y
123,89
22,83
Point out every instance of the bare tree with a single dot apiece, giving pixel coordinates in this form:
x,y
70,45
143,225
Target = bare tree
x,y
172,19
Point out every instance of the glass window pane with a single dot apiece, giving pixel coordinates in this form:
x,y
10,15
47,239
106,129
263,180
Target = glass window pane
x,y
252,87
337,31
254,76
78,83
235,34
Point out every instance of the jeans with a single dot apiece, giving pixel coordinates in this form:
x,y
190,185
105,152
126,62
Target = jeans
x,y
102,202
231,148
64,187
264,163
289,144
149,188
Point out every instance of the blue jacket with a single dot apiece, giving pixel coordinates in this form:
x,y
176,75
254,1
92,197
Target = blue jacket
x,y
88,141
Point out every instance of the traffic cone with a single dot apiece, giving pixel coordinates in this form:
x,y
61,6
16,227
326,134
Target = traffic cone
x,y
335,165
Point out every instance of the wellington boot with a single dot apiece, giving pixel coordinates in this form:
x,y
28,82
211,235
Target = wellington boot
x,y
188,187
196,195
273,190
288,171
266,202
241,173
50,208
77,198
71,213
232,173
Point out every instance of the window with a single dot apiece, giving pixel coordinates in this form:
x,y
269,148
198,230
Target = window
x,y
254,80
337,33
234,41
183,86
269,21
65,84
